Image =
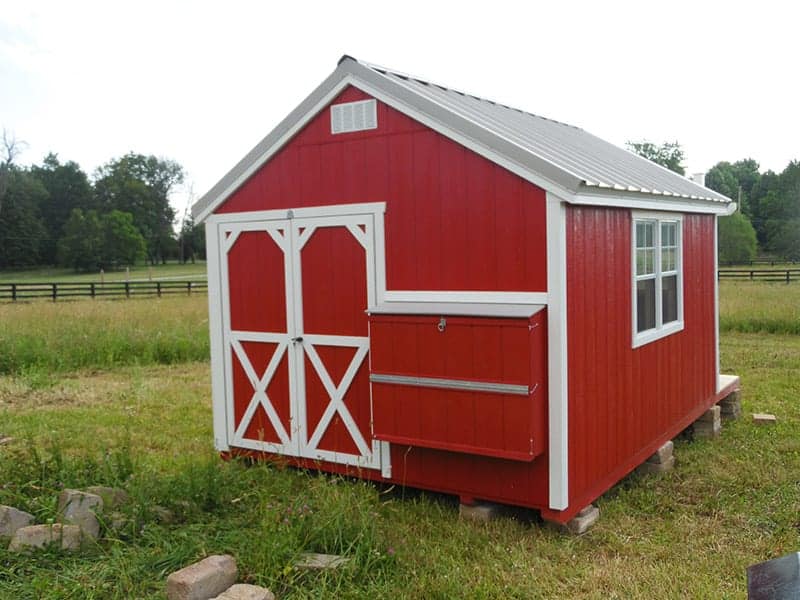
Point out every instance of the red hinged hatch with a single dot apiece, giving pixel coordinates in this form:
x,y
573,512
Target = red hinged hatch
x,y
461,377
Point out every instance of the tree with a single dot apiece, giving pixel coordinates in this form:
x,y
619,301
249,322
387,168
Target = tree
x,y
93,241
68,188
785,239
192,241
737,239
82,243
122,242
668,154
141,185
21,229
11,148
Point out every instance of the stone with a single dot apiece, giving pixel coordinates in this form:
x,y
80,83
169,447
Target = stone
x,y
245,591
5,440
583,521
312,560
481,512
204,579
764,419
731,405
81,509
12,519
162,514
39,536
707,429
649,468
112,497
710,416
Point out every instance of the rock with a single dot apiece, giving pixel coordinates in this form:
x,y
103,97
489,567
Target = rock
x,y
312,560
245,591
764,419
38,536
204,579
482,512
162,514
663,454
81,509
117,521
112,497
5,440
707,429
12,519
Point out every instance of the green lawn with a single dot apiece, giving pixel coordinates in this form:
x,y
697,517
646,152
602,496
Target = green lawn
x,y
140,272
689,533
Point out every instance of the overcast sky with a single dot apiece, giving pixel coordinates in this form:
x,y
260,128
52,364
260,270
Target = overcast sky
x,y
201,84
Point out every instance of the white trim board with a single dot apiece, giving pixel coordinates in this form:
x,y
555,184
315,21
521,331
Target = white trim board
x,y
665,203
557,358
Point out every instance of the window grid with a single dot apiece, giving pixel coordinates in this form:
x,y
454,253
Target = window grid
x,y
657,248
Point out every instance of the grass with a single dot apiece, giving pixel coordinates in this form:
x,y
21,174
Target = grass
x,y
759,307
140,272
690,533
94,402
43,339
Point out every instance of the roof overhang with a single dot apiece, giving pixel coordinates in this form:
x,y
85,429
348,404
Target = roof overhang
x,y
482,140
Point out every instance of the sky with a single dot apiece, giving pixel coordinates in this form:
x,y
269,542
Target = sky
x,y
202,83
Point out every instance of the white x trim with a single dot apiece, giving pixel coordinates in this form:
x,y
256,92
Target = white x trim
x,y
337,393
260,396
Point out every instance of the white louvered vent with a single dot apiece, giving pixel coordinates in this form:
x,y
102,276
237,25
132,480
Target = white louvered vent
x,y
354,116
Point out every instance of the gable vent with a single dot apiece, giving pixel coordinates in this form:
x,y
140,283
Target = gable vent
x,y
354,116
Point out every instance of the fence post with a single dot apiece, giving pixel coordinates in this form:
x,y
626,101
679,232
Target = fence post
x,y
189,288
127,289
91,285
55,291
751,276
787,277
158,289
13,292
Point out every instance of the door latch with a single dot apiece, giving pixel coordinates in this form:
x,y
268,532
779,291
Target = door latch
x,y
296,340
442,325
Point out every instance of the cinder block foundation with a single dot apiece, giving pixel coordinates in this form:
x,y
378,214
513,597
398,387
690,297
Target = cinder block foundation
x,y
731,405
660,461
481,512
709,425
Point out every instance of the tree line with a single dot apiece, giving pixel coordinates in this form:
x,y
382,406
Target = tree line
x,y
768,216
53,213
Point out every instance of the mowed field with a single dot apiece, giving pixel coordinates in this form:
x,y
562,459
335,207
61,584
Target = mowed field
x,y
170,270
117,392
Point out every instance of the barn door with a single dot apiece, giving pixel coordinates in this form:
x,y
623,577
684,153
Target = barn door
x,y
333,284
295,292
258,312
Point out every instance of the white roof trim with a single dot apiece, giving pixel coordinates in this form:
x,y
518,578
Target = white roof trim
x,y
665,203
490,144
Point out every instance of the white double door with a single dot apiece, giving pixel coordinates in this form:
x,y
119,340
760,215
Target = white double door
x,y
295,292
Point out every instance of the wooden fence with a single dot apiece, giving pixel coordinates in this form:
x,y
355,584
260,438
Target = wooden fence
x,y
782,275
14,292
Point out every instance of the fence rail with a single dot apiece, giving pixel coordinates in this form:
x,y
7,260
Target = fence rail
x,y
776,275
14,292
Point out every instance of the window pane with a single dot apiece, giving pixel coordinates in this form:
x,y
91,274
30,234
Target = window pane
x,y
645,233
645,304
668,234
668,259
645,262
669,298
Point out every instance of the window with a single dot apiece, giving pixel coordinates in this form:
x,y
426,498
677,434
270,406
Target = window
x,y
657,283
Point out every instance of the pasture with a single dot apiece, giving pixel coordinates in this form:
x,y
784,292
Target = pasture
x,y
117,392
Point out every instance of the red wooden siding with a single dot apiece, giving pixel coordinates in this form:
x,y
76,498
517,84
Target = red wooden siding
x,y
508,351
454,221
625,402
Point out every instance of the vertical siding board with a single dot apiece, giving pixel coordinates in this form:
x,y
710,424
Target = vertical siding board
x,y
401,235
454,233
427,210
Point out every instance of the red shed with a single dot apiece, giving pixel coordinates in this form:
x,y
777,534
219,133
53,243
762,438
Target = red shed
x,y
412,284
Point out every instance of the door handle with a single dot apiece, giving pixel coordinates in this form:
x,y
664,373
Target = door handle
x,y
295,340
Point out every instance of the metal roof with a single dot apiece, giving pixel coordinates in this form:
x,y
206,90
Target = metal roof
x,y
561,156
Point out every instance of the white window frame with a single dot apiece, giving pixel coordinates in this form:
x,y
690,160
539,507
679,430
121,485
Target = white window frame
x,y
660,330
